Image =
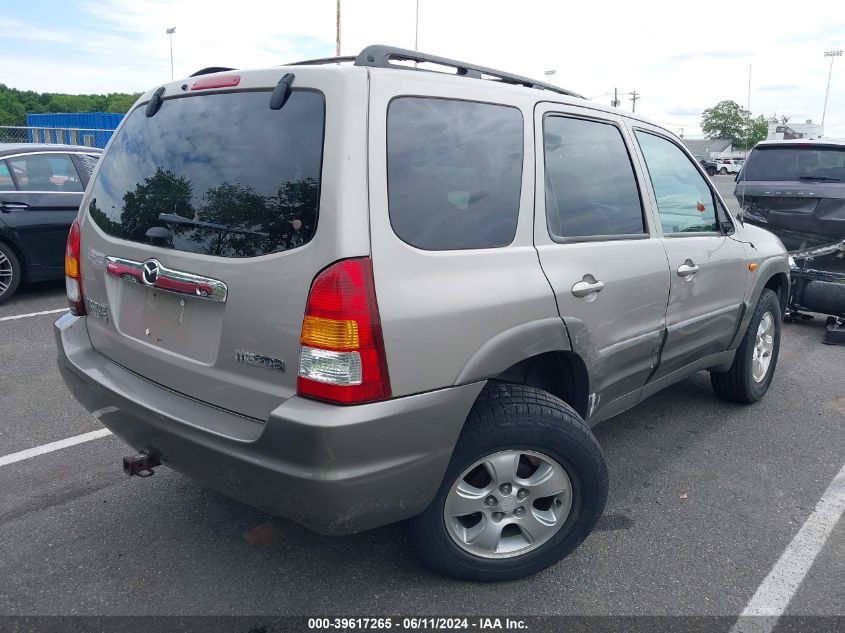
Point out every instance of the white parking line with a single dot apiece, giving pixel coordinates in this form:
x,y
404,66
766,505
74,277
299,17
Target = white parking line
x,y
773,596
32,314
52,446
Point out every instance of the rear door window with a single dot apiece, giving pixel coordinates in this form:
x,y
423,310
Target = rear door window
x,y
230,176
684,199
454,172
591,189
46,172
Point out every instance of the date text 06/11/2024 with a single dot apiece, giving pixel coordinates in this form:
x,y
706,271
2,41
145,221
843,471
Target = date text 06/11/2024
x,y
416,624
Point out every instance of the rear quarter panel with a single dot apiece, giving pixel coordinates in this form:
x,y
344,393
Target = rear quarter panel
x,y
440,310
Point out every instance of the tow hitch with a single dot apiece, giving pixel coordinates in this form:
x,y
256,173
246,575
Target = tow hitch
x,y
141,465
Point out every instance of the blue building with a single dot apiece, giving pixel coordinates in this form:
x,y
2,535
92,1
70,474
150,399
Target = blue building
x,y
85,128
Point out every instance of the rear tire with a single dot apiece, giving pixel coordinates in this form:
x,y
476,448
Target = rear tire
x,y
723,171
549,448
10,272
748,380
711,171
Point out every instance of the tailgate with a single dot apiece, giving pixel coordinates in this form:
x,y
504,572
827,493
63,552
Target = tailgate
x,y
201,239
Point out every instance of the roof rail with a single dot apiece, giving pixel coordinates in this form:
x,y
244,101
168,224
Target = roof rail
x,y
380,56
323,60
211,69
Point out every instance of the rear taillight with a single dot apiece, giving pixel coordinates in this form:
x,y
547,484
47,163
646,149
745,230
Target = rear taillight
x,y
73,270
342,355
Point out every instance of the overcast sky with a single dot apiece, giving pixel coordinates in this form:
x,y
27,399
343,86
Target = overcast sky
x,y
681,56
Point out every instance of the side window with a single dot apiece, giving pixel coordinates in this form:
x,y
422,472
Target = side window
x,y
46,172
6,182
454,172
684,200
591,189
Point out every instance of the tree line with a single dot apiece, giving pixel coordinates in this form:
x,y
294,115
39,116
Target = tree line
x,y
728,119
16,104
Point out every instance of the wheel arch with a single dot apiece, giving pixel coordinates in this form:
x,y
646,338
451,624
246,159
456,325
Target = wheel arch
x,y
561,373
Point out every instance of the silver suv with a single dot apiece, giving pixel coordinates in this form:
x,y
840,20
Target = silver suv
x,y
355,293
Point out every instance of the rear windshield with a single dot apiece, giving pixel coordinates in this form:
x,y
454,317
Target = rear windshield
x,y
796,163
224,160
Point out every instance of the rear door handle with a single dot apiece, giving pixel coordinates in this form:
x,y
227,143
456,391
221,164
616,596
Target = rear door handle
x,y
12,206
687,269
584,288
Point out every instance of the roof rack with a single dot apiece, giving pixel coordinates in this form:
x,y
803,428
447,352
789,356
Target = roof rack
x,y
379,56
323,60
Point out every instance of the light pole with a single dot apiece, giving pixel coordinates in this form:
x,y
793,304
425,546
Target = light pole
x,y
830,54
337,34
416,32
549,74
170,33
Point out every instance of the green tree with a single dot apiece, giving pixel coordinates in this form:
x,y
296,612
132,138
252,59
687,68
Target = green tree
x,y
727,119
16,104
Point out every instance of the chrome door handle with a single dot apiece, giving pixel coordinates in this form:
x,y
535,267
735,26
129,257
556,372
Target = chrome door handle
x,y
11,206
687,269
584,288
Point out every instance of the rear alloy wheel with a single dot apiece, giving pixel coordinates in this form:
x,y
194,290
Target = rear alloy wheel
x,y
751,373
508,503
525,486
723,171
10,272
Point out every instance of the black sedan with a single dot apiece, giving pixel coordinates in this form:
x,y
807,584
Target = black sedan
x,y
41,189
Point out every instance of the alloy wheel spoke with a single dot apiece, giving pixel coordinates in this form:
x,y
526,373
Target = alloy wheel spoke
x,y
546,482
535,524
465,500
502,466
486,535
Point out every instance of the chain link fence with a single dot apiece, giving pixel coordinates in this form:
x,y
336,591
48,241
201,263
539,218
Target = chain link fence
x,y
53,135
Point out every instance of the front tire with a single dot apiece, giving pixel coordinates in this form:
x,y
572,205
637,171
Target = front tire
x,y
10,272
525,486
751,373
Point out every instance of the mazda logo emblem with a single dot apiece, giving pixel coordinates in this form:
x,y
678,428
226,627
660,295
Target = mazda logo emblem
x,y
149,273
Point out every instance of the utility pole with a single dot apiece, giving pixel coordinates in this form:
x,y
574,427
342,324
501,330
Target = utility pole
x,y
615,103
748,111
634,96
337,39
170,33
830,54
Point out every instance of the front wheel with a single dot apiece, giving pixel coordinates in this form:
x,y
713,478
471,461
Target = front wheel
x,y
525,486
751,373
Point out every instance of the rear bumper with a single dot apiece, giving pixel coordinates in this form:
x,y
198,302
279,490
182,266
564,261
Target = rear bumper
x,y
333,469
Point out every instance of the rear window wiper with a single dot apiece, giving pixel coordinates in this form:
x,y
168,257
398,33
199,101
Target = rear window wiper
x,y
825,178
172,218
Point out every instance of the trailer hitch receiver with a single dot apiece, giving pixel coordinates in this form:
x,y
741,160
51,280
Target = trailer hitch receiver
x,y
141,465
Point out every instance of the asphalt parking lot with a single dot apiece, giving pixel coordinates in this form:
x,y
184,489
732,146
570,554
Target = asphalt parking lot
x,y
705,498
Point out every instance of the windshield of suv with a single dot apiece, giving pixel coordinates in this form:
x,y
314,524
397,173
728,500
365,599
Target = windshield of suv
x,y
796,162
244,179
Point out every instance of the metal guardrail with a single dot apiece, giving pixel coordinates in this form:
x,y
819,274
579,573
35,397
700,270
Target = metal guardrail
x,y
54,135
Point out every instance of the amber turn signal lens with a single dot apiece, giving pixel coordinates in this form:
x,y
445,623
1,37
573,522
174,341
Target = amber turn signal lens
x,y
753,267
330,333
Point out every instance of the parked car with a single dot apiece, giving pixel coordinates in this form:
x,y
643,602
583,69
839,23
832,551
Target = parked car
x,y
40,190
796,189
729,165
709,166
392,332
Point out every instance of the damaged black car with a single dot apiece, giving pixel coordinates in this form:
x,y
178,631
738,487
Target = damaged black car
x,y
796,189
